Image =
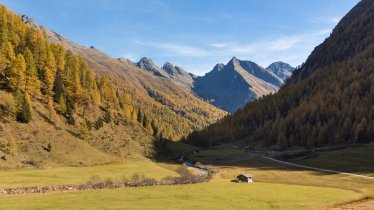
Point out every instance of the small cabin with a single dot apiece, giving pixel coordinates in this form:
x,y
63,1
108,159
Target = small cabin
x,y
244,178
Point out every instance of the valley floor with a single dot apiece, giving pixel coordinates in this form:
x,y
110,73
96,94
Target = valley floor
x,y
276,186
217,194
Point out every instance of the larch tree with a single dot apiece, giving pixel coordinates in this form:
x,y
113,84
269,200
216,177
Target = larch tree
x,y
32,82
48,73
51,110
17,79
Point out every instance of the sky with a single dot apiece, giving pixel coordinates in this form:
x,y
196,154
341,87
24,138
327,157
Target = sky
x,y
192,34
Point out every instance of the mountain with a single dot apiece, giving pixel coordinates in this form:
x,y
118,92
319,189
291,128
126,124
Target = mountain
x,y
174,73
281,69
62,103
147,64
179,75
329,100
224,89
231,86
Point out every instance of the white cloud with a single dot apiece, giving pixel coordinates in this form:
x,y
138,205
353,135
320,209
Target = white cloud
x,y
284,43
174,49
335,19
132,56
220,44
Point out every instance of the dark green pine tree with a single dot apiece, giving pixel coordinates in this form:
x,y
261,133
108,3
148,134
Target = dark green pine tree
x,y
58,87
23,114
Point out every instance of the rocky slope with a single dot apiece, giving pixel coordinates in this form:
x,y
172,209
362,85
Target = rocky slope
x,y
231,86
175,73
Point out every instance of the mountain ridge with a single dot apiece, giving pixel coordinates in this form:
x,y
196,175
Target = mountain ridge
x,y
231,86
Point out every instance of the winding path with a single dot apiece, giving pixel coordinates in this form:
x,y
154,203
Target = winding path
x,y
318,169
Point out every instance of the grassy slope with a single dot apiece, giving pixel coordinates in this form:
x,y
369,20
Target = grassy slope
x,y
112,143
356,160
79,175
214,195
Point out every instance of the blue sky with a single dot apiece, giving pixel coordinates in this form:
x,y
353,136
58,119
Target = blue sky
x,y
193,34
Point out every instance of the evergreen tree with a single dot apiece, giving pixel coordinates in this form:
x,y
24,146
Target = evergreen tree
x,y
69,115
58,87
99,123
23,107
107,116
139,116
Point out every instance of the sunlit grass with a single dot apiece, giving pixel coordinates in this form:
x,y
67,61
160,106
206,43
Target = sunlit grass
x,y
217,194
80,175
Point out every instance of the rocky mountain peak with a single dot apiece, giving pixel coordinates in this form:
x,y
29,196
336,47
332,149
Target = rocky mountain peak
x,y
30,21
218,67
146,60
281,69
169,68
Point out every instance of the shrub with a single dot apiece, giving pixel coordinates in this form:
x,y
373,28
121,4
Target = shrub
x,y
94,179
135,178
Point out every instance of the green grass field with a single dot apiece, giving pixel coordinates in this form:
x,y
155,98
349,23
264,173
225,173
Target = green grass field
x,y
218,194
276,186
80,175
356,160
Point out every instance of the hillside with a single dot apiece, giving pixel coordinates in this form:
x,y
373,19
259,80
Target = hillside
x,y
329,100
231,86
66,104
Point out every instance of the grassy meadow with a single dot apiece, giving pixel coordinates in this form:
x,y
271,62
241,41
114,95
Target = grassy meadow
x,y
355,160
276,186
79,175
217,194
